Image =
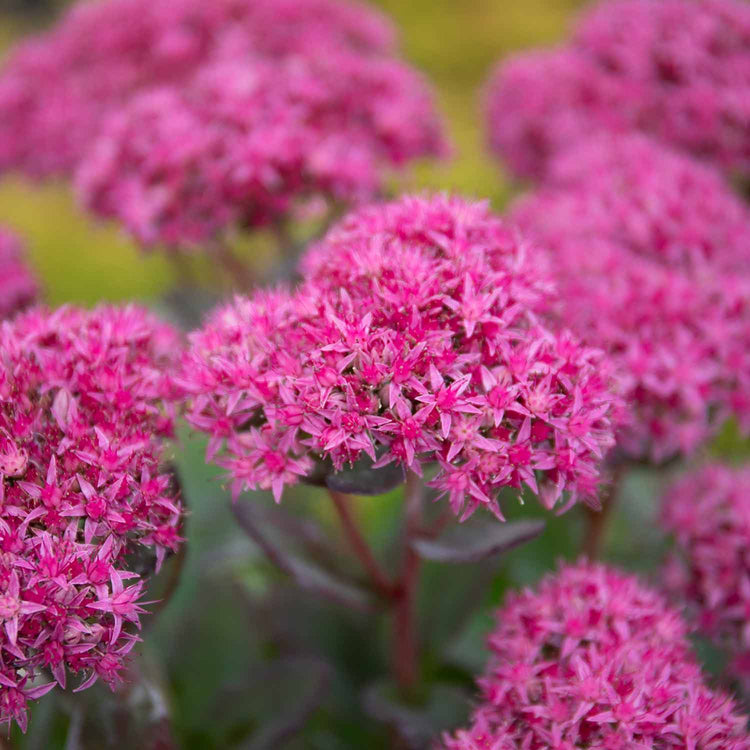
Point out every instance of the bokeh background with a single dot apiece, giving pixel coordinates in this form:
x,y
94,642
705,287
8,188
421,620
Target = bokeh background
x,y
222,658
455,42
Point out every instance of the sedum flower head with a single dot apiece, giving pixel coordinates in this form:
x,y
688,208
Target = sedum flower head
x,y
248,142
675,69
412,339
595,659
84,404
708,512
655,201
18,287
58,87
651,255
690,59
539,102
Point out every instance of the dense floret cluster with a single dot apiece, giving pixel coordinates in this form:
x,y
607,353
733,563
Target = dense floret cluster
x,y
708,512
85,402
677,69
18,287
595,659
249,141
57,88
651,252
412,339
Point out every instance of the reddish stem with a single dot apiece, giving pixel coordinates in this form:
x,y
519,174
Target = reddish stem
x,y
405,645
238,272
359,545
597,521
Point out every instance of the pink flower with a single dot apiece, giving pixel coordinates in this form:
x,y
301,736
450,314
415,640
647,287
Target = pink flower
x,y
657,202
248,143
537,103
708,512
690,59
18,287
651,256
58,87
677,70
412,339
595,659
85,402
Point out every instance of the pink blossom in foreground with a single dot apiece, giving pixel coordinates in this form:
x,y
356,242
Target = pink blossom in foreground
x,y
651,252
248,141
85,401
595,659
18,287
708,512
412,339
58,87
678,70
540,102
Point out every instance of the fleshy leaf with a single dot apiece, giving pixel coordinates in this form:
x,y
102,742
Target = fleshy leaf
x,y
307,575
363,479
417,726
313,676
470,544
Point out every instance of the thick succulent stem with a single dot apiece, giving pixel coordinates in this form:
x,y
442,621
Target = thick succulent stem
x,y
360,547
405,642
238,272
597,521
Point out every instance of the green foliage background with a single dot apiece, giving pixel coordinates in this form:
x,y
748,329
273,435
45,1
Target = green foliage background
x,y
219,653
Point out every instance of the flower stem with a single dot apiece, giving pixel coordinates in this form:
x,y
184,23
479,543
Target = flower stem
x,y
238,272
405,646
359,545
597,521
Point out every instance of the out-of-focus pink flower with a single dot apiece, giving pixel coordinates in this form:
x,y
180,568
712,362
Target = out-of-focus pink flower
x,y
692,62
595,659
708,512
651,254
248,141
57,88
655,201
18,287
676,69
413,338
85,400
538,103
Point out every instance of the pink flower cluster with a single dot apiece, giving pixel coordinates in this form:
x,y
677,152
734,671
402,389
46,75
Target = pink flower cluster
x,y
58,87
85,401
249,141
412,339
677,69
708,512
595,659
18,287
656,202
651,254
181,118
538,103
